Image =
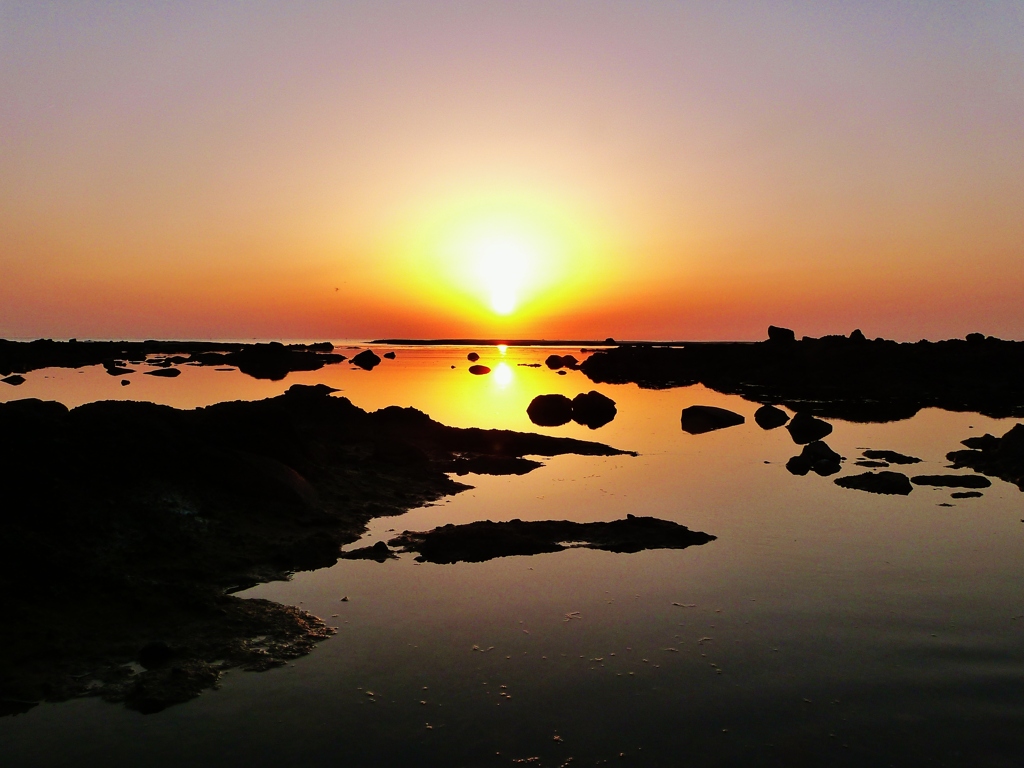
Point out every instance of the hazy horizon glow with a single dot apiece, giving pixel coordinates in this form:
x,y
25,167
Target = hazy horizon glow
x,y
581,169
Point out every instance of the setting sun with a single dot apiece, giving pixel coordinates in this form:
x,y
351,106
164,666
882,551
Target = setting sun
x,y
504,264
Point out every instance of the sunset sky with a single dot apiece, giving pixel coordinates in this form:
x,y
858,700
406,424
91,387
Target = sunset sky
x,y
658,170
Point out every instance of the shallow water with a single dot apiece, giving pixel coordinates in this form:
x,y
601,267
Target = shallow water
x,y
824,626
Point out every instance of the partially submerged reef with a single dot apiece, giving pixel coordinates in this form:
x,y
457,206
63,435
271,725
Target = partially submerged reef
x,y
126,526
272,360
846,377
485,540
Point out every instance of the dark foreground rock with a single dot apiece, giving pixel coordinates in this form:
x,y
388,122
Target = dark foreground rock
x,y
952,481
480,541
770,417
817,457
550,410
967,495
804,428
479,370
271,361
698,419
592,409
893,483
1001,457
14,380
554,362
126,525
367,360
167,373
850,378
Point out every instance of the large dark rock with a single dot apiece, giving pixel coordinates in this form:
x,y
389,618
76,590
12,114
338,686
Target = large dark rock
x,y
166,373
472,357
550,410
389,355
486,540
479,370
698,419
770,417
367,360
952,481
554,362
777,334
892,483
1001,457
15,380
592,409
804,428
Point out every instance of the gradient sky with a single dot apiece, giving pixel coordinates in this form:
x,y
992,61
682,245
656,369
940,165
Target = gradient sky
x,y
661,170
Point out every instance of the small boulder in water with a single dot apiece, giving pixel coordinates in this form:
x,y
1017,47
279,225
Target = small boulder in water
x,y
770,417
698,419
367,360
479,370
892,483
472,357
550,410
389,355
804,428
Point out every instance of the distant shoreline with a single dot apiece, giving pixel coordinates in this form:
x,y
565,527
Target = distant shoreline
x,y
606,343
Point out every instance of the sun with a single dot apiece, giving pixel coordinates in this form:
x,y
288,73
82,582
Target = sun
x,y
504,265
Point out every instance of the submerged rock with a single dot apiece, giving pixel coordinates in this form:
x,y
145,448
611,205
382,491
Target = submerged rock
x,y
804,428
1001,457
550,410
892,483
379,552
952,481
967,494
367,360
891,457
698,419
166,373
486,540
871,463
770,417
592,409
816,457
389,355
479,370
14,381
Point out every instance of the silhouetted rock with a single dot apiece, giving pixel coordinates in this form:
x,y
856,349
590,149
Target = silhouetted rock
x,y
952,481
379,552
528,365
479,370
389,355
1001,457
125,382
871,463
804,428
554,362
698,419
834,377
167,373
817,457
592,409
891,457
770,417
857,335
550,410
892,483
967,494
472,357
114,368
14,380
123,523
486,540
367,360
777,334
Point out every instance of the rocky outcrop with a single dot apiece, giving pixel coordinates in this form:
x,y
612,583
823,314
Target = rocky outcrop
x,y
891,457
891,483
770,417
479,370
486,540
816,457
1001,457
367,360
804,428
698,419
592,409
550,410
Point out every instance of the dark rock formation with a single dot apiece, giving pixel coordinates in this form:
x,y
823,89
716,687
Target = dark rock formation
x,y
389,355
550,410
480,541
528,365
804,428
817,457
592,409
472,357
891,457
479,370
967,494
124,524
379,552
167,373
871,463
554,362
777,334
893,483
835,376
1001,457
265,361
125,382
698,419
367,360
952,481
14,380
770,417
